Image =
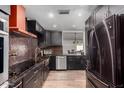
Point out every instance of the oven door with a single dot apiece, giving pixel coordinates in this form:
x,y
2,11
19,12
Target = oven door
x,y
1,54
4,47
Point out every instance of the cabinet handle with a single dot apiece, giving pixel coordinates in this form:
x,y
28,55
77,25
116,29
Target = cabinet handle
x,y
35,71
18,85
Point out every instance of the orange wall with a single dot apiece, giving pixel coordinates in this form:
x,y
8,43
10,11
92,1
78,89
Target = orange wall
x,y
17,17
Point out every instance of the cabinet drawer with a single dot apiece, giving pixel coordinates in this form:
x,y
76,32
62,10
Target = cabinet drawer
x,y
30,84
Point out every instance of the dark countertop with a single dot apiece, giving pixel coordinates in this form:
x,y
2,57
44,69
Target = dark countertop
x,y
66,55
83,56
15,79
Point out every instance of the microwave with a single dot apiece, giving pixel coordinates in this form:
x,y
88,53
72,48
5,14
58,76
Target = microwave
x,y
4,48
3,25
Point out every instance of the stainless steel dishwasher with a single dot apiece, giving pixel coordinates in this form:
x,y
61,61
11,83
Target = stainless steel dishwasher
x,y
61,63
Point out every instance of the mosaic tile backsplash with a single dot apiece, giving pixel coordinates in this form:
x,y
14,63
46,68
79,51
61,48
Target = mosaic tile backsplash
x,y
21,49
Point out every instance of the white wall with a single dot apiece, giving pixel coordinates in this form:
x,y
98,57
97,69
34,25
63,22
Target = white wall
x,y
68,45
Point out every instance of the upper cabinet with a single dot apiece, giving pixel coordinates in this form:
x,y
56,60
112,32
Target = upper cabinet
x,y
34,27
56,38
17,20
47,38
53,38
50,38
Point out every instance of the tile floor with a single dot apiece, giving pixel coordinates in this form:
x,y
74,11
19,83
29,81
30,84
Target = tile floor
x,y
66,79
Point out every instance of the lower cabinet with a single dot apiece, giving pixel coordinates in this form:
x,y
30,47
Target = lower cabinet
x,y
46,69
30,83
38,82
31,79
52,63
75,63
89,84
36,77
18,84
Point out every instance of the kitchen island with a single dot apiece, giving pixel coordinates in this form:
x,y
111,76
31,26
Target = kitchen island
x,y
73,62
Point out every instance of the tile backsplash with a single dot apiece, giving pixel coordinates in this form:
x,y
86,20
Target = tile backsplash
x,y
21,48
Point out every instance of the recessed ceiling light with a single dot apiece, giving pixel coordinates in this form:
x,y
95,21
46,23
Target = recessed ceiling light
x,y
79,14
74,26
54,25
51,15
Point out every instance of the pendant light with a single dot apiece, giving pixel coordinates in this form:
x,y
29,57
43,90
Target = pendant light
x,y
75,39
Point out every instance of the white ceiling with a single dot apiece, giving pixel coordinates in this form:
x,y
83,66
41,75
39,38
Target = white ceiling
x,y
69,22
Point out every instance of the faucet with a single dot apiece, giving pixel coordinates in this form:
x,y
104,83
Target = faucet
x,y
37,52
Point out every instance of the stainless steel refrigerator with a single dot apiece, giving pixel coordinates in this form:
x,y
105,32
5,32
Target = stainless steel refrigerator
x,y
106,54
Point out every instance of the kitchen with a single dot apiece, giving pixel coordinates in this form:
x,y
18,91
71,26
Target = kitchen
x,y
60,46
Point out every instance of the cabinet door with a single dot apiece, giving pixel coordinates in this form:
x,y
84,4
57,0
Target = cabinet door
x,y
46,71
74,63
56,38
30,84
41,77
52,64
5,8
38,82
48,38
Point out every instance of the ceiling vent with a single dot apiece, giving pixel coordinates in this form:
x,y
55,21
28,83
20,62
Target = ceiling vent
x,y
63,12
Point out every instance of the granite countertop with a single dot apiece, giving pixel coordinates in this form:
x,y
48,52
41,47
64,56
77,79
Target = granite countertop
x,y
68,55
15,79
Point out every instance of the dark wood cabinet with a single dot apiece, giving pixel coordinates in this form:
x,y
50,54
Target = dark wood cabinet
x,y
50,38
34,27
36,76
74,63
30,83
46,69
47,38
52,64
33,77
30,79
18,84
56,38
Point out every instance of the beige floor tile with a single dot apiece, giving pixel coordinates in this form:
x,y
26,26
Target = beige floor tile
x,y
66,79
